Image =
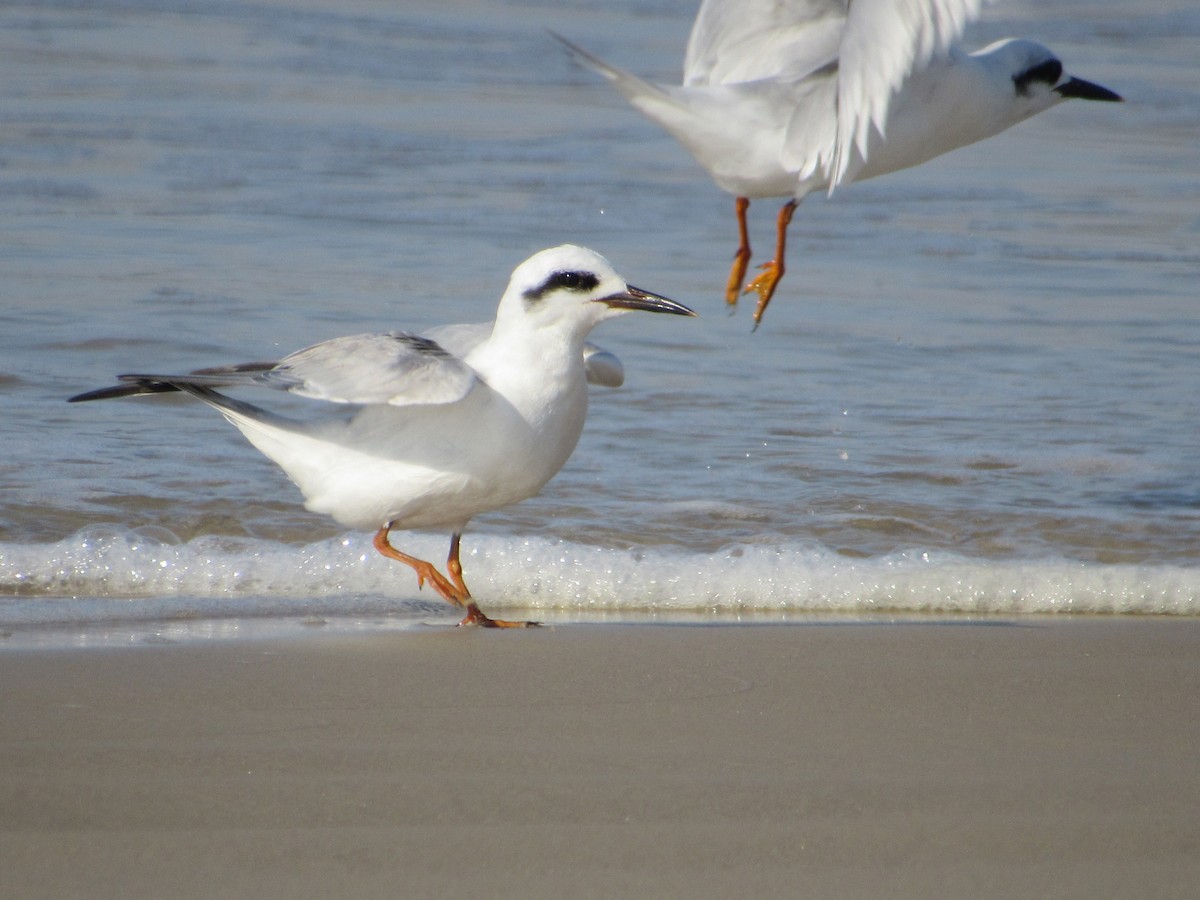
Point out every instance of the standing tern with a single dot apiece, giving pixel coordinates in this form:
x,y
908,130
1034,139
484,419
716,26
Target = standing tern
x,y
399,432
784,97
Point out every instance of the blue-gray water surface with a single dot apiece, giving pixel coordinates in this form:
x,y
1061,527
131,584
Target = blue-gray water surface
x,y
975,391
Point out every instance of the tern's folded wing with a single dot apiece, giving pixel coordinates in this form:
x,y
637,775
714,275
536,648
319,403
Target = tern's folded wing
x,y
396,368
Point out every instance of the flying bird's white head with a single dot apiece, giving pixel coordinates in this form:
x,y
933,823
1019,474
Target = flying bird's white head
x,y
1035,77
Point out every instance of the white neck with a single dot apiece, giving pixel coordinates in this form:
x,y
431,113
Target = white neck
x,y
542,377
952,104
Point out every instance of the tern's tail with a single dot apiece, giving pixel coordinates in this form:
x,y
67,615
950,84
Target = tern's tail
x,y
641,93
708,120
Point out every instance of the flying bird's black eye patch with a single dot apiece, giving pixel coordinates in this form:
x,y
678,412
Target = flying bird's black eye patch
x,y
1047,72
571,281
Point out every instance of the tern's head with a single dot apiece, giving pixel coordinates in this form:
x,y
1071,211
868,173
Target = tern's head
x,y
1036,76
573,289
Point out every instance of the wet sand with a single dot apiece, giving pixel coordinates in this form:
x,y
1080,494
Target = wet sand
x,y
1049,757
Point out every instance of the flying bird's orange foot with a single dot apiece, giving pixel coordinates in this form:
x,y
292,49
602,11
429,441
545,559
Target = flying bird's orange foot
x,y
764,285
741,259
733,289
475,616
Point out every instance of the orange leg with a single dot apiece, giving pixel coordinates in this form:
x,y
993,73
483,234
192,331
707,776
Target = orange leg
x,y
474,615
764,284
741,259
425,570
453,590
454,566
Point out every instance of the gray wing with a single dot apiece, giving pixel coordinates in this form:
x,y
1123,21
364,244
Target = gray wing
x,y
396,368
884,42
460,339
602,367
735,41
857,55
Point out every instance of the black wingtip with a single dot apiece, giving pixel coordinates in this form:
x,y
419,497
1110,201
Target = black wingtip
x,y
123,390
120,390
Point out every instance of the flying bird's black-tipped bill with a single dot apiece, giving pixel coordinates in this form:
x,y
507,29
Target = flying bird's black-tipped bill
x,y
636,298
1086,90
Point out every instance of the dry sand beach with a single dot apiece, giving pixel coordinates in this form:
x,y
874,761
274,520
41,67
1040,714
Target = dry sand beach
x,y
1014,757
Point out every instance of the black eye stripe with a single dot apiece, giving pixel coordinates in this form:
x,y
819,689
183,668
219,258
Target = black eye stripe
x,y
566,280
1047,72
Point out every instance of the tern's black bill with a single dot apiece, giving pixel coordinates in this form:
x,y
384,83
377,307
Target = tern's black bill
x,y
636,298
1085,90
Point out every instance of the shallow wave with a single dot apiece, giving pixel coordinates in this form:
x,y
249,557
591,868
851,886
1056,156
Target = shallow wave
x,y
110,573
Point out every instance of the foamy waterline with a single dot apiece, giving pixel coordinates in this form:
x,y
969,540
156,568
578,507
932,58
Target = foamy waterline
x,y
112,573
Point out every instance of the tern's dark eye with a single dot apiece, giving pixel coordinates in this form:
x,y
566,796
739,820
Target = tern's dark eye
x,y
567,280
575,281
1047,72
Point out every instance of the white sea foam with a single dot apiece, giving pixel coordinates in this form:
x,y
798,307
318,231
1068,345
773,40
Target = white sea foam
x,y
115,574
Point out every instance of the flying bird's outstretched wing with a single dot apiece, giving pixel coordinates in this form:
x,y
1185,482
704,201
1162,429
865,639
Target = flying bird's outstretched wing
x,y
854,55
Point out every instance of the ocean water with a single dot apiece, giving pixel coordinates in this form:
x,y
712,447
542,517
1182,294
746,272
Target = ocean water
x,y
976,391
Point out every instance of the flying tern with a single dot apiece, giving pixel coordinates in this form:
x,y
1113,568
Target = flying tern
x,y
781,98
